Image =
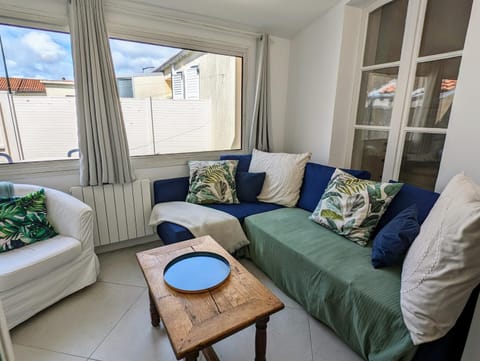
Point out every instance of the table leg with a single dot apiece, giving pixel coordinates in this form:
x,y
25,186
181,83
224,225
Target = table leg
x,y
209,354
192,356
154,316
261,339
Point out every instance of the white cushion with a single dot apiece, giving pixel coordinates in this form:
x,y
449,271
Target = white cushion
x,y
24,264
283,178
443,264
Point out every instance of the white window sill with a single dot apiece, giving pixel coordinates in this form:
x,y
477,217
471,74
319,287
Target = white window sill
x,y
69,166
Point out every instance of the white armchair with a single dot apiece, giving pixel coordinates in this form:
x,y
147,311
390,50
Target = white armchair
x,y
36,276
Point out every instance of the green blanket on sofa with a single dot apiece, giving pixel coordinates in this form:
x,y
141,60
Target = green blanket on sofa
x,y
334,280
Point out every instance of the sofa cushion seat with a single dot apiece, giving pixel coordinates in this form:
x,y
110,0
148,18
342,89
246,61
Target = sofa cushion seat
x,y
24,264
334,280
172,233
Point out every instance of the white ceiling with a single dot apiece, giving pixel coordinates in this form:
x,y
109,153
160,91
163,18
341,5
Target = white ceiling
x,y
283,18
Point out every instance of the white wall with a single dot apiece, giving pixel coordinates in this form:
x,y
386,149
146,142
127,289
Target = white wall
x,y
342,136
462,145
313,70
279,80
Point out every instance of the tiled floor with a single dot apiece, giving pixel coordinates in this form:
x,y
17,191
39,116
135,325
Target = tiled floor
x,y
109,321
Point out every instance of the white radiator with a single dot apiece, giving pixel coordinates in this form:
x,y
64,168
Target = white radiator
x,y
122,211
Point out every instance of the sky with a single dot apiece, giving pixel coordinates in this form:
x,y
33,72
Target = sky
x,y
38,54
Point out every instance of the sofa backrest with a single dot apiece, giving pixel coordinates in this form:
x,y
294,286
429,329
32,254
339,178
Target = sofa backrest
x,y
315,182
169,190
243,160
407,196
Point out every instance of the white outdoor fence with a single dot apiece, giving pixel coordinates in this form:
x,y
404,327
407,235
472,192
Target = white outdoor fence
x,y
47,126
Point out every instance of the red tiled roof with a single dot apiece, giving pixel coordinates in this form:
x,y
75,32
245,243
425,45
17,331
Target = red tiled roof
x,y
447,85
22,85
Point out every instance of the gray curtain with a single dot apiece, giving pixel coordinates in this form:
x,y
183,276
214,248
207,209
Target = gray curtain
x,y
104,155
259,132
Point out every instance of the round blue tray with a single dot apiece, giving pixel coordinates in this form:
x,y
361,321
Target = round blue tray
x,y
196,272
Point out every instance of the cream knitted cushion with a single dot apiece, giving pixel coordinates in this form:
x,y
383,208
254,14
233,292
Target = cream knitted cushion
x,y
283,176
443,264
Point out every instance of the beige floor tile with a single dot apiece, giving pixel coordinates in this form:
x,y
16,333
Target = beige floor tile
x,y
79,323
327,346
134,339
121,266
288,339
253,269
24,353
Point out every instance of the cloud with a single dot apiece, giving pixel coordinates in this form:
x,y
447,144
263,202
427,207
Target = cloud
x,y
43,46
36,54
39,54
132,57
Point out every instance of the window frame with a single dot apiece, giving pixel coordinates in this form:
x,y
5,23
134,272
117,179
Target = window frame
x,y
210,46
125,32
409,58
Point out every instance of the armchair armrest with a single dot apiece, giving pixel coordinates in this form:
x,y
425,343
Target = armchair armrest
x,y
69,216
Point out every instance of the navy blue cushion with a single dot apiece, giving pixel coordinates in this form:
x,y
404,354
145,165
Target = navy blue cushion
x,y
392,242
315,181
173,233
409,195
243,160
243,210
249,186
169,190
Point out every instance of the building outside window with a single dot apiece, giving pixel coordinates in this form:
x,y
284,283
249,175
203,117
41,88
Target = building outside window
x,y
181,100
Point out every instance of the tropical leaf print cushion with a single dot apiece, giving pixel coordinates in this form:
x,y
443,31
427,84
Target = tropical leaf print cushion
x,y
23,220
352,207
212,182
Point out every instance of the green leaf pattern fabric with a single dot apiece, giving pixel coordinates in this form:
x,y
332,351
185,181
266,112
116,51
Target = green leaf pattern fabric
x,y
352,207
23,220
212,182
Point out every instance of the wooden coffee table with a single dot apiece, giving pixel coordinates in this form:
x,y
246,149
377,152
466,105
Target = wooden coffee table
x,y
194,322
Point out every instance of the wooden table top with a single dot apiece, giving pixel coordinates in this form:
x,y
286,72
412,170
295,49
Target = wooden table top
x,y
196,321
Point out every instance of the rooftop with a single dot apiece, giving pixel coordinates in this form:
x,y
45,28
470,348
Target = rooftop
x,y
22,85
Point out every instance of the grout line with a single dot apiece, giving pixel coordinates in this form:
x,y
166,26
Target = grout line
x,y
122,284
52,351
116,323
310,334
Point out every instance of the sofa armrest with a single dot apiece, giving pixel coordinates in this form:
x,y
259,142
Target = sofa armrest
x,y
169,190
70,217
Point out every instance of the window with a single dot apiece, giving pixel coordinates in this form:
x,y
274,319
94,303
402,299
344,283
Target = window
x,y
178,100
37,104
408,80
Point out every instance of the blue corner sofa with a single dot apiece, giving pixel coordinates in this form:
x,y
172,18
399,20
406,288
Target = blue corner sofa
x,y
271,239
